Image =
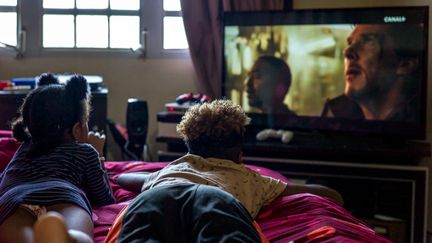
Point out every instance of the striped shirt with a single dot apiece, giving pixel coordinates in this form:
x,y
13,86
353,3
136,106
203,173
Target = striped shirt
x,y
62,176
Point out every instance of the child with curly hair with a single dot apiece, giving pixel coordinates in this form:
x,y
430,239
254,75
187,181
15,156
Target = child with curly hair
x,y
214,134
57,168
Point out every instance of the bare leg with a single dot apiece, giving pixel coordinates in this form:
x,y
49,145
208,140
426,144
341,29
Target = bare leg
x,y
132,181
77,220
17,228
51,228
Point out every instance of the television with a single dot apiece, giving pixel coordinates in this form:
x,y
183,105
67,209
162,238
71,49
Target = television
x,y
336,71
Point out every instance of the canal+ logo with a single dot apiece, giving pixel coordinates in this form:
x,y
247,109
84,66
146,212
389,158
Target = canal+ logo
x,y
394,19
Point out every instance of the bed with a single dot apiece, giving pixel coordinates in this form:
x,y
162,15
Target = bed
x,y
296,218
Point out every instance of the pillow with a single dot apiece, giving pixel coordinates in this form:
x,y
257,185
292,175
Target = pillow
x,y
5,133
8,146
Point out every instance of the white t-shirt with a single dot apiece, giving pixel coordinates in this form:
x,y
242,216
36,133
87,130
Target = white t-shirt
x,y
249,187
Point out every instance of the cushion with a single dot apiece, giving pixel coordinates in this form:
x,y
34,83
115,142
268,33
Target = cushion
x,y
5,133
8,146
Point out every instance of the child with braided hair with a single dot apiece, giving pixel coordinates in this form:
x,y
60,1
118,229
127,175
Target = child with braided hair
x,y
57,168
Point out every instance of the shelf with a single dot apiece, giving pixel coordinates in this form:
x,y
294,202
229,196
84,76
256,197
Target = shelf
x,y
408,153
314,145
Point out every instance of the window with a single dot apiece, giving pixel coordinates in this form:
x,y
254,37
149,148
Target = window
x,y
8,22
91,24
174,36
94,27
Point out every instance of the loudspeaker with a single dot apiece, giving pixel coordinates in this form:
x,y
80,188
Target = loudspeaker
x,y
137,126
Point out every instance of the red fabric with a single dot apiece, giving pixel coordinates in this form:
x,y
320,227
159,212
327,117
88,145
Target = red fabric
x,y
297,218
8,146
114,231
104,216
260,232
5,133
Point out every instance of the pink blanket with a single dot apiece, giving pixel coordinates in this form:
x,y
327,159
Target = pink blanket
x,y
8,146
297,218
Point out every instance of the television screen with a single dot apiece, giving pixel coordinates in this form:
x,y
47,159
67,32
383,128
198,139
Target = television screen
x,y
339,70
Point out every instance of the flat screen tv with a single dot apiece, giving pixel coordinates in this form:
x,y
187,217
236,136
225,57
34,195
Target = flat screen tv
x,y
361,71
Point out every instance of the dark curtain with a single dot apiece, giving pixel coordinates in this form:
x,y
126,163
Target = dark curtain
x,y
202,20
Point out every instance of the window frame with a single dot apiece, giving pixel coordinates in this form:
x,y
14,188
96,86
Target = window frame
x,y
153,23
169,13
97,12
151,13
4,50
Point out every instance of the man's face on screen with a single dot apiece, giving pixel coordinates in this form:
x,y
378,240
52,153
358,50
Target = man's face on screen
x,y
263,87
370,62
254,89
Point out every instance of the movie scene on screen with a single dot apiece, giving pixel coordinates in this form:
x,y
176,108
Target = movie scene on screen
x,y
312,70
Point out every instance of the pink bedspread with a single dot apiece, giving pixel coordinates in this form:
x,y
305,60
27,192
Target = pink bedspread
x,y
5,133
8,146
297,218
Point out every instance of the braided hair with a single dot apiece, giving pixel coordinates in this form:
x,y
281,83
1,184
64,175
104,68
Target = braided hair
x,y
50,111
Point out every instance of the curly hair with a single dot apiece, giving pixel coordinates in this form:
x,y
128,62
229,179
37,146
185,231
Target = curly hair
x,y
214,129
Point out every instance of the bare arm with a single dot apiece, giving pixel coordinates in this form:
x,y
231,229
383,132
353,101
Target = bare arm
x,y
97,140
314,189
132,181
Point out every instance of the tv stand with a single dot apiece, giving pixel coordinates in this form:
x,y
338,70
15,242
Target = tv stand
x,y
334,147
381,181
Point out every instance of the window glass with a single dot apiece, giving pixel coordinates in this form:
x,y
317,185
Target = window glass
x,y
92,31
125,4
58,30
171,5
8,28
61,4
124,31
8,2
92,4
100,24
174,33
